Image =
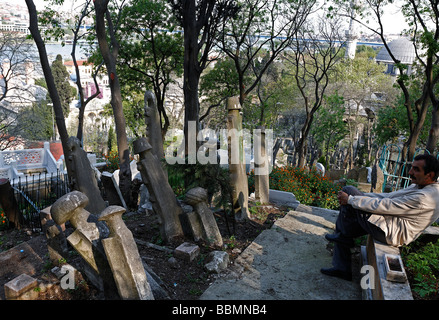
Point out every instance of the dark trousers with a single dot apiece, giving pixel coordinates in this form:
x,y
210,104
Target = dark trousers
x,y
352,223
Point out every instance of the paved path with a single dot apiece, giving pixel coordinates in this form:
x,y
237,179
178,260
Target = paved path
x,y
283,263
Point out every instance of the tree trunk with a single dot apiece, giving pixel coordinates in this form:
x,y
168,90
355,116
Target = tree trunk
x,y
51,87
191,69
191,114
434,131
416,130
110,55
303,140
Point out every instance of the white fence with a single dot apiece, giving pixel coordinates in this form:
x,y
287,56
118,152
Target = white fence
x,y
17,163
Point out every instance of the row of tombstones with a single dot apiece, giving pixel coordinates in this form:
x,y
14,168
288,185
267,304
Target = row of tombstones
x,y
101,237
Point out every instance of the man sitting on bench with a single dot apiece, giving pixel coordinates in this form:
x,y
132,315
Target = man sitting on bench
x,y
396,218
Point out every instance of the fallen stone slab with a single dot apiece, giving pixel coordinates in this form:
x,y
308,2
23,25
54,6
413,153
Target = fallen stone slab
x,y
283,197
187,251
21,288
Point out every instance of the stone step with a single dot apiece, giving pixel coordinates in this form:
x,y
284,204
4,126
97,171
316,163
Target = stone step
x,y
433,230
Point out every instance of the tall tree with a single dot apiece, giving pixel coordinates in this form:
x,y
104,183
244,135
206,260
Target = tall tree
x,y
201,21
50,19
357,80
61,78
423,19
36,121
16,68
51,86
156,58
261,32
329,126
109,48
315,52
86,10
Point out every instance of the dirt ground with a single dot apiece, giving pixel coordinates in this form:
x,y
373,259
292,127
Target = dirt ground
x,y
22,251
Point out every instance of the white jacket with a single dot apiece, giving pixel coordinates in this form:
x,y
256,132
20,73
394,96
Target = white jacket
x,y
402,214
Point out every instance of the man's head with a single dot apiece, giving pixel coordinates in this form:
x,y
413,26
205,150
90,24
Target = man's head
x,y
424,170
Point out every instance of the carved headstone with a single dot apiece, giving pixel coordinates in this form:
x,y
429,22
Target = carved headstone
x,y
377,179
56,240
83,177
124,258
262,170
238,175
153,126
162,196
71,208
197,197
112,191
85,239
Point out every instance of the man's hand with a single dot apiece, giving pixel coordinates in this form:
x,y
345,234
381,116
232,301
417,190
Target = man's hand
x,y
342,198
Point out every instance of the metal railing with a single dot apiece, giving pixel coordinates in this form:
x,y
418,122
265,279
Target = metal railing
x,y
394,169
36,192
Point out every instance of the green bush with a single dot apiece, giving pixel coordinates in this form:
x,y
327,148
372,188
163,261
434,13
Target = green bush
x,y
422,263
310,188
212,177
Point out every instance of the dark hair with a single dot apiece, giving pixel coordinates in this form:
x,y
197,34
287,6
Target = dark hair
x,y
431,164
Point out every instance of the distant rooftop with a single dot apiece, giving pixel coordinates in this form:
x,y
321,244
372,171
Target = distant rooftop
x,y
403,50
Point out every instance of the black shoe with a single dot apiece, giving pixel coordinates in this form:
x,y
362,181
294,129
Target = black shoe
x,y
336,237
337,273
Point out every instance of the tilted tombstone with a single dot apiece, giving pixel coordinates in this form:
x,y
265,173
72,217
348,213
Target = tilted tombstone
x,y
262,170
238,175
85,239
162,196
123,257
153,126
112,191
83,177
197,198
70,207
56,239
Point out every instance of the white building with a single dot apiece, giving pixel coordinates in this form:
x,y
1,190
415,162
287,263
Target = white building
x,y
403,50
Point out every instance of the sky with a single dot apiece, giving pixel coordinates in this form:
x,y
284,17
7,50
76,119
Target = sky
x,y
393,20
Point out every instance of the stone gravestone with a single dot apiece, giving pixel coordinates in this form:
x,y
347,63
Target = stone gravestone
x,y
262,170
112,191
124,258
363,174
85,240
56,240
377,179
162,196
238,175
153,126
83,178
144,203
320,169
197,198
